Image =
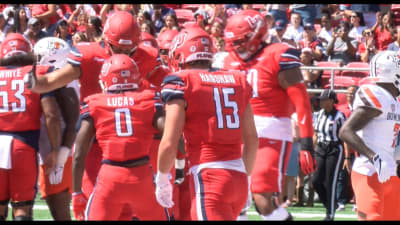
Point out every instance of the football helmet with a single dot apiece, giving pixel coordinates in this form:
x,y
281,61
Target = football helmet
x,y
14,44
121,31
244,33
119,72
51,51
385,68
148,39
164,41
189,45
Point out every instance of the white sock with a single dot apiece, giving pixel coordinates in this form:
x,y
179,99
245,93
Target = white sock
x,y
242,217
277,215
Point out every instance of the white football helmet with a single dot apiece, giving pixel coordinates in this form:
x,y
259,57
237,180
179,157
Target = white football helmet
x,y
385,67
51,51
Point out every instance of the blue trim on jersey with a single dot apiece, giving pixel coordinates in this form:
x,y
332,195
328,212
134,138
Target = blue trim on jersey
x,y
202,204
173,79
168,94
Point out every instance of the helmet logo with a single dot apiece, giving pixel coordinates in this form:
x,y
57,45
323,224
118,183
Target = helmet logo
x,y
193,48
178,42
125,73
254,21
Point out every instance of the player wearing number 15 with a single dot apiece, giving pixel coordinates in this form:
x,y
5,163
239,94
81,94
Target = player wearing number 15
x,y
20,113
212,109
123,119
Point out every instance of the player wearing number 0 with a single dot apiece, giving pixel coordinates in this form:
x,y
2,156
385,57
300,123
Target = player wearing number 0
x,y
123,119
274,73
212,110
20,113
372,130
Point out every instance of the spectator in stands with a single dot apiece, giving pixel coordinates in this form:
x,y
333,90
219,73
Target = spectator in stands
x,y
20,21
142,16
312,78
357,25
47,15
366,49
202,17
34,33
310,40
306,11
383,30
148,27
217,31
278,11
4,27
78,19
157,14
325,34
171,22
276,35
78,37
395,46
94,30
62,32
342,48
294,30
368,11
219,44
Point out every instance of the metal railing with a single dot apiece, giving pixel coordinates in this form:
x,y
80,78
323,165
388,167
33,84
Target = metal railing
x,y
332,69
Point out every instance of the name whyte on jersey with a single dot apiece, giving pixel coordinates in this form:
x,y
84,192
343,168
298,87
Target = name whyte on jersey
x,y
120,101
218,79
10,73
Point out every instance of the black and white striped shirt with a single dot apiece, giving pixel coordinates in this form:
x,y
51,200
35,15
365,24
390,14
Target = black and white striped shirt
x,y
327,125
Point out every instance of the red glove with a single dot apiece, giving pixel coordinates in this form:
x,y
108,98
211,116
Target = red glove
x,y
306,158
79,202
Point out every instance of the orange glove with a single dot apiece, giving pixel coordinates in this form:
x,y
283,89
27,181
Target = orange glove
x,y
79,202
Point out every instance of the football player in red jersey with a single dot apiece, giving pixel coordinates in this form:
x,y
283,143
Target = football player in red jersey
x,y
212,110
123,119
273,71
20,113
121,36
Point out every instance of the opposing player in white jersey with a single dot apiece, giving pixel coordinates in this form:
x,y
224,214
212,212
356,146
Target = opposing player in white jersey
x,y
372,130
56,187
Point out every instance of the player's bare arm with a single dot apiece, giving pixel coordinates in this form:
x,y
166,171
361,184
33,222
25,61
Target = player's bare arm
x,y
52,118
56,79
250,139
358,119
290,77
84,140
174,122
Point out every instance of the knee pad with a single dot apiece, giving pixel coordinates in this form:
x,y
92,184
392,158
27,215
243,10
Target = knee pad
x,y
4,202
23,218
21,204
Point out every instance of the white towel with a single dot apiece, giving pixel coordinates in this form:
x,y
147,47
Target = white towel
x,y
5,151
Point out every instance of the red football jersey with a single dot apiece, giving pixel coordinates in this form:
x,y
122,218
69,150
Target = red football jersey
x,y
269,98
89,56
20,107
123,122
216,101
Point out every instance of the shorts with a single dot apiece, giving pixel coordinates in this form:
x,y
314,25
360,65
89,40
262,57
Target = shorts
x,y
19,182
270,165
47,189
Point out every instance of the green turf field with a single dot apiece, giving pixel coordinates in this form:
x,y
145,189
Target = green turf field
x,y
317,212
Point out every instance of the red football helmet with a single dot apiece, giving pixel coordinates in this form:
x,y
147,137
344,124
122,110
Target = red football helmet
x,y
164,41
14,44
245,30
119,72
121,31
148,39
189,45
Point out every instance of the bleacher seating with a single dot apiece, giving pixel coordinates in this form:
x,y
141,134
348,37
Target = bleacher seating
x,y
184,15
343,82
192,7
356,73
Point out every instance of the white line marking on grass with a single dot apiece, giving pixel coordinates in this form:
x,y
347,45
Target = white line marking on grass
x,y
311,215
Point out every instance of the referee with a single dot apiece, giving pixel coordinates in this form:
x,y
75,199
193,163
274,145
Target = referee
x,y
329,151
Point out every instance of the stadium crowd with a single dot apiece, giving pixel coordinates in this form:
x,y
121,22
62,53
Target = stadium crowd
x,y
321,35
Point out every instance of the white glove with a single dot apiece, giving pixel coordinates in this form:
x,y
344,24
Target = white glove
x,y
163,190
55,177
385,166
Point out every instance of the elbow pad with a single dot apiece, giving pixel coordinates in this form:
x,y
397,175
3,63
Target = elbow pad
x,y
298,94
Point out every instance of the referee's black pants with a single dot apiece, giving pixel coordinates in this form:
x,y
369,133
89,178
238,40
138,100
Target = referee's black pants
x,y
329,161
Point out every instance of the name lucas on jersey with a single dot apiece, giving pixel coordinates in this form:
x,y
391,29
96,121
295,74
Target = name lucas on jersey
x,y
10,73
218,79
120,101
